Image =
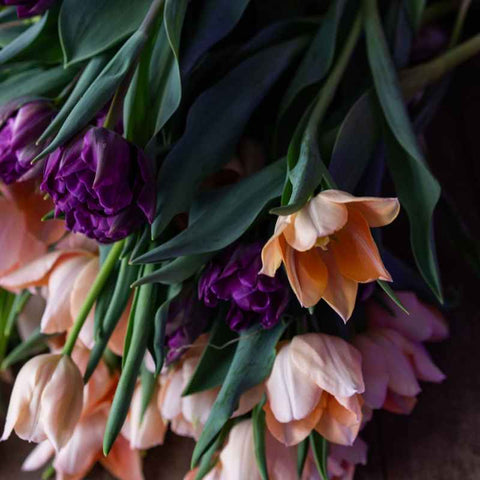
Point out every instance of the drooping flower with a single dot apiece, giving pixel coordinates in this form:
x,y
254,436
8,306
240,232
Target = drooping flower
x,y
46,400
327,248
20,128
23,236
29,8
253,298
104,185
315,385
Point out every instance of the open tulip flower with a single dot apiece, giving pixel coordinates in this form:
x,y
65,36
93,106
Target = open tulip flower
x,y
315,385
327,248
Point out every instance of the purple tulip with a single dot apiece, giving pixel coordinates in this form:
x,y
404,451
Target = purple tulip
x,y
253,298
102,184
18,133
29,8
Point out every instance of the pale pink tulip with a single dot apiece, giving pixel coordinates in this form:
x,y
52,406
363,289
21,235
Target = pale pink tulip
x,y
327,248
23,236
392,365
315,384
148,431
424,322
46,400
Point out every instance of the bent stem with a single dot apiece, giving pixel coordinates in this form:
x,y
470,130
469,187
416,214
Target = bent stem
x,y
93,294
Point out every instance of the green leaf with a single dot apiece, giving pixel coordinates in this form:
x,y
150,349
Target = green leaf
x,y
319,448
176,271
148,381
225,107
319,57
216,358
90,27
89,74
302,452
417,188
100,91
355,144
223,216
141,332
248,369
215,20
121,294
258,422
388,290
35,81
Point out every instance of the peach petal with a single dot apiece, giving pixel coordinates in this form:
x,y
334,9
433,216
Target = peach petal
x,y
272,252
29,318
356,253
11,235
38,457
123,462
249,399
170,397
400,404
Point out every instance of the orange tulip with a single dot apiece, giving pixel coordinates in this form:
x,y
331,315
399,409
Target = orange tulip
x,y
315,385
327,248
46,400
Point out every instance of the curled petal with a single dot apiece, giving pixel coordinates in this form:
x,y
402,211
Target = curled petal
x,y
273,251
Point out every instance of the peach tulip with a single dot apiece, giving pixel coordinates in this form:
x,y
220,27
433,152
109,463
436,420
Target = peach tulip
x,y
148,431
392,365
46,400
23,236
327,248
315,385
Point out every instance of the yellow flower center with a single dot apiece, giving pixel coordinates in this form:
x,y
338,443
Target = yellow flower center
x,y
322,242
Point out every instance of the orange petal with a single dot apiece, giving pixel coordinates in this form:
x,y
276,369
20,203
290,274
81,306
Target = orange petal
x,y
341,292
356,253
307,275
376,211
123,462
272,252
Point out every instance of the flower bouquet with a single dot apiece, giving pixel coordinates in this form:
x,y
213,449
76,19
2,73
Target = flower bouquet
x,y
195,209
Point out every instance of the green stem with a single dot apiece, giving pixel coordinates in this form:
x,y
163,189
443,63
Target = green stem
x,y
459,21
417,78
93,294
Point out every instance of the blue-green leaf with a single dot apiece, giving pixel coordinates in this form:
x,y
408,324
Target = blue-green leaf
x,y
258,422
319,448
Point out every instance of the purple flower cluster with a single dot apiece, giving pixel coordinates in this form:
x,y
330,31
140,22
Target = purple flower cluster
x,y
102,184
18,133
233,277
29,8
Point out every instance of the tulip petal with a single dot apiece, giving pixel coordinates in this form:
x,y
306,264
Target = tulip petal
x,y
332,363
356,253
307,275
341,292
272,252
123,462
400,404
249,399
38,457
170,398
376,211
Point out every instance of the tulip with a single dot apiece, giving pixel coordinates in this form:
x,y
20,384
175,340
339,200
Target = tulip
x,y
18,134
46,400
327,248
315,385
233,277
392,365
148,431
24,236
102,184
29,8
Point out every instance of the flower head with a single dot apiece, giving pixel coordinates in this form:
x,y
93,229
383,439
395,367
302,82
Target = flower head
x,y
103,184
29,8
315,385
327,248
253,298
46,400
18,134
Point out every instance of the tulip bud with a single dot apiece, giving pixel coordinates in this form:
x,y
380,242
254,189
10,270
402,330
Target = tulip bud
x,y
29,8
46,400
18,134
103,185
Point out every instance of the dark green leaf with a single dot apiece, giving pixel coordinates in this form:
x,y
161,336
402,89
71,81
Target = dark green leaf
x,y
388,290
258,422
318,58
89,27
216,358
417,188
248,369
176,271
215,20
225,107
319,448
148,381
223,216
302,452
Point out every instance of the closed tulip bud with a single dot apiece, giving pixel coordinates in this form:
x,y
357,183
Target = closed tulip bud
x,y
103,184
29,8
19,130
46,400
